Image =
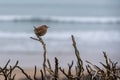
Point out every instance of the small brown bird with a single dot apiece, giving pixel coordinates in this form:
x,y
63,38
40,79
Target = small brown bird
x,y
40,30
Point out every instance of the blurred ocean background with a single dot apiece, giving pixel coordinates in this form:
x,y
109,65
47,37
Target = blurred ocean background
x,y
95,25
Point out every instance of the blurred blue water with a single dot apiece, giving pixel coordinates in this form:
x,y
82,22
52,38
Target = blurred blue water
x,y
95,25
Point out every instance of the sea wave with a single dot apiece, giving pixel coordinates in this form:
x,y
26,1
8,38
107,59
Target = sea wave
x,y
22,42
61,19
14,35
95,36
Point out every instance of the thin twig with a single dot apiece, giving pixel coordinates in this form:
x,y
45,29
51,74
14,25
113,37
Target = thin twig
x,y
27,76
44,48
79,61
42,75
35,73
56,69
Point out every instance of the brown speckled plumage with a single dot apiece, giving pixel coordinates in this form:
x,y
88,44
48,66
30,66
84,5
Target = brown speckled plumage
x,y
41,30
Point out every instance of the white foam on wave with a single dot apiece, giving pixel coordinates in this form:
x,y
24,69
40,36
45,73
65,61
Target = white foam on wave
x,y
87,19
22,42
94,36
14,35
65,19
14,18
82,35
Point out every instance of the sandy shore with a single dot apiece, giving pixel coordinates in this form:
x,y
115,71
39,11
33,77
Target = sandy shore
x,y
30,72
21,76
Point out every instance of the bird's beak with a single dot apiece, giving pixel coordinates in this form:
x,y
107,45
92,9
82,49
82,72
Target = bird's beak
x,y
34,27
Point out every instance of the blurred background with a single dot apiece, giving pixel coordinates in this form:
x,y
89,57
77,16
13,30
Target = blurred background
x,y
95,25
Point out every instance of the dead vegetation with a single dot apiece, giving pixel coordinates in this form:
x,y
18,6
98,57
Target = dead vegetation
x,y
109,71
